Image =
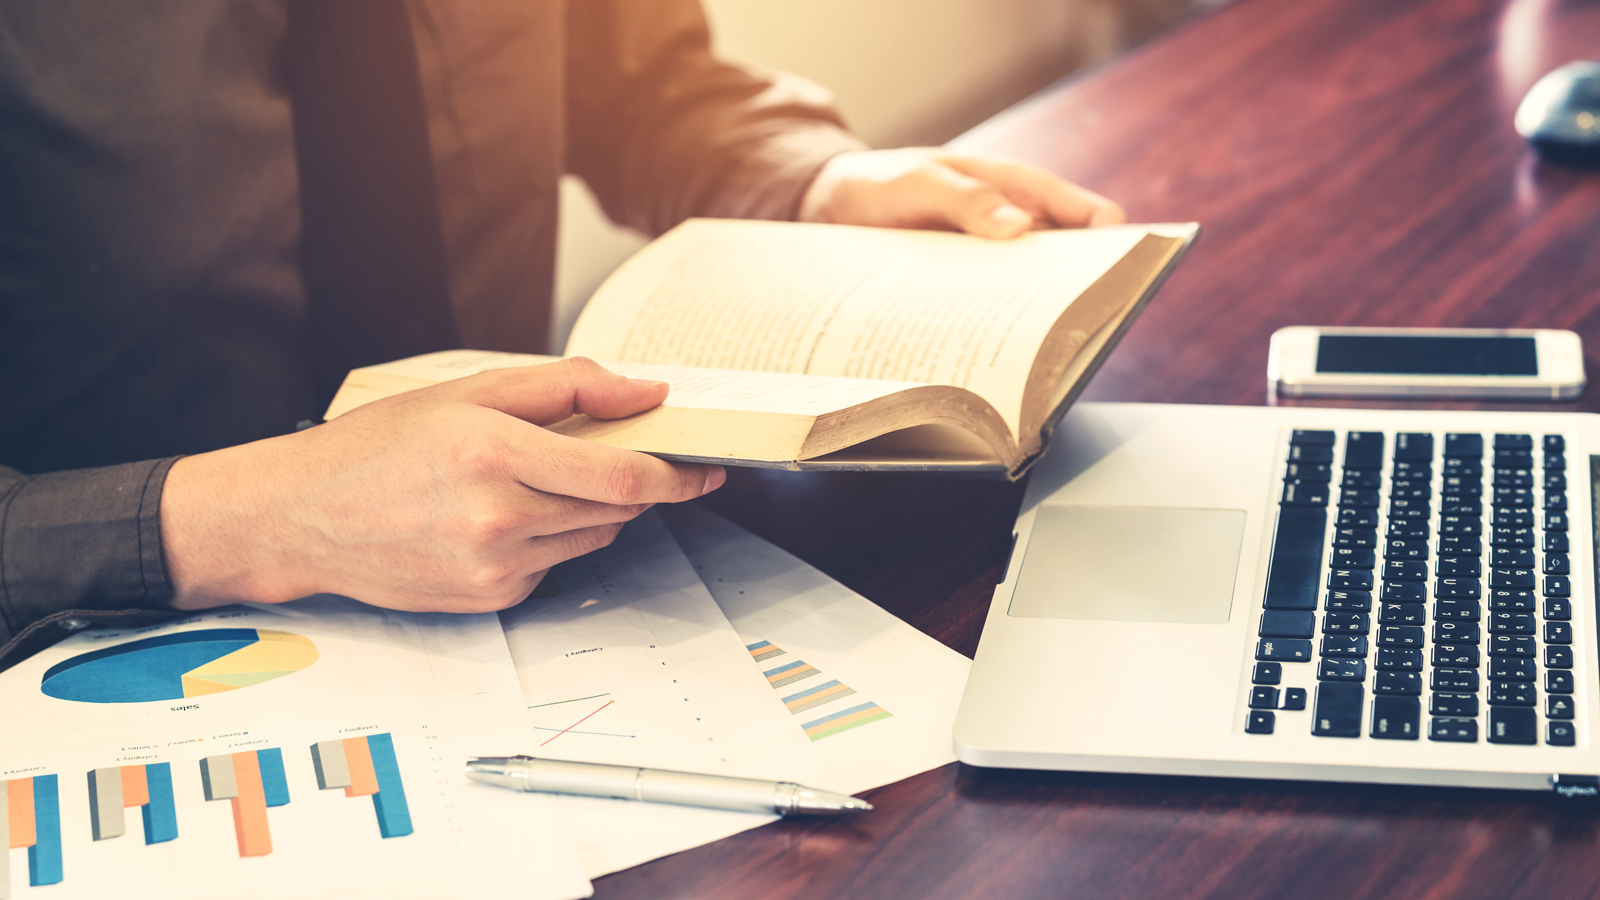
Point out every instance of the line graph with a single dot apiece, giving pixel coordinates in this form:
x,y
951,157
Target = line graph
x,y
577,723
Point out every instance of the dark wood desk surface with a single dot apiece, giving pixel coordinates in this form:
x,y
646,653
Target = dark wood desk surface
x,y
1352,162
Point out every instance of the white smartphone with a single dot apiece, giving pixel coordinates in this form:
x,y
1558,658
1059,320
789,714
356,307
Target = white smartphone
x,y
1530,363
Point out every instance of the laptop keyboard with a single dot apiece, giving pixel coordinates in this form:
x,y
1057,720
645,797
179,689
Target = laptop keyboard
x,y
1427,580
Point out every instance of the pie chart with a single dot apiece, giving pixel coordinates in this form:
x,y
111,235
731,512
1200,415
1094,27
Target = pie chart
x,y
175,666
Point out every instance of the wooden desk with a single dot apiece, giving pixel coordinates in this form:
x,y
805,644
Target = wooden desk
x,y
1352,162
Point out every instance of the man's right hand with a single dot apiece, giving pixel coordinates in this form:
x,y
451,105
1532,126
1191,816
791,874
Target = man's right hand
x,y
449,498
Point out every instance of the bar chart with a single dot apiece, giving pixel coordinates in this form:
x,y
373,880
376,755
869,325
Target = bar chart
x,y
30,816
812,697
252,781
148,787
366,767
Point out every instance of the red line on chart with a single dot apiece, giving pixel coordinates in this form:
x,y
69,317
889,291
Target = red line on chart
x,y
579,722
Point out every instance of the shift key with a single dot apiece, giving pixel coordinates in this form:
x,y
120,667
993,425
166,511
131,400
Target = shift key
x,y
1338,709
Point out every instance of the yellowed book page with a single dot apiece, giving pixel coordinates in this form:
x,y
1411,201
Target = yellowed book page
x,y
806,395
923,306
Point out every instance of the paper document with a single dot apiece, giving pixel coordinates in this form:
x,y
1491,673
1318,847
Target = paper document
x,y
634,664
310,749
874,698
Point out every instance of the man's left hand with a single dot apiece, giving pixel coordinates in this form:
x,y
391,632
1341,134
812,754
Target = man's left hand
x,y
927,187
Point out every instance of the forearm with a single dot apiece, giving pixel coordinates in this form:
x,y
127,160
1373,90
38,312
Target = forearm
x,y
662,130
80,547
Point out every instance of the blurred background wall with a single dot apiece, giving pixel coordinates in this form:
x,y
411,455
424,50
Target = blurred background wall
x,y
904,72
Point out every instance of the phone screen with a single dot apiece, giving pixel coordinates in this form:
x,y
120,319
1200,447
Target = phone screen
x,y
1374,354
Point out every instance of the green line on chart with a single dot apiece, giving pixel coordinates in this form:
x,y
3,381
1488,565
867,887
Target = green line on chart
x,y
573,700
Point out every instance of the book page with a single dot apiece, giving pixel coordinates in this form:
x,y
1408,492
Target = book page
x,y
921,306
307,749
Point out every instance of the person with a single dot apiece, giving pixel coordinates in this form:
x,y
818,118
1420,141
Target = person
x,y
210,210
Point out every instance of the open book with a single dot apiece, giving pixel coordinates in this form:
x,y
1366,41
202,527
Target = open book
x,y
805,346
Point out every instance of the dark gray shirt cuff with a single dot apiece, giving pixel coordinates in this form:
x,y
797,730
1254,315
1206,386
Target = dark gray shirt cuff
x,y
79,547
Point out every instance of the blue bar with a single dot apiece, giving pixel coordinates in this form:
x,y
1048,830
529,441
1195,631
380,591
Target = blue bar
x,y
273,782
394,817
44,857
160,816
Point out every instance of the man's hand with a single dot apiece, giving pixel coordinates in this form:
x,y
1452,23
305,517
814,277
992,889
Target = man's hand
x,y
925,187
449,498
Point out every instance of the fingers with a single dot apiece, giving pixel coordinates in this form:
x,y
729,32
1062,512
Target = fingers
x,y
557,464
549,393
1041,193
973,205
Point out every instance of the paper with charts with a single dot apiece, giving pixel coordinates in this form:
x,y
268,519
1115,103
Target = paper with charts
x,y
308,749
684,690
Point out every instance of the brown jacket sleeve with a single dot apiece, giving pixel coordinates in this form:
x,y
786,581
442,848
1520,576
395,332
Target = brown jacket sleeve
x,y
662,130
79,548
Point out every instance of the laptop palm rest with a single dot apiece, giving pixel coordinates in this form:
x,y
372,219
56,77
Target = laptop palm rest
x,y
1130,564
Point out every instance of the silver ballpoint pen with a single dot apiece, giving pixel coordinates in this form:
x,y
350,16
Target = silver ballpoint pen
x,y
556,776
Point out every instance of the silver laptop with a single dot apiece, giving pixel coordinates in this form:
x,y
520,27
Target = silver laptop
x,y
1343,595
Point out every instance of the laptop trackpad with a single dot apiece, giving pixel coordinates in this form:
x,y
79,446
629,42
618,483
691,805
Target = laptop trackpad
x,y
1130,564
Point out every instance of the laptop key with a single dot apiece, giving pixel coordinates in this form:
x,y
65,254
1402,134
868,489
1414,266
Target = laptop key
x,y
1451,656
1513,578
1310,453
1555,462
1344,646
1554,443
1561,734
1513,693
1364,518
1402,508
1512,536
1400,636
1409,683
1294,699
1259,721
1459,567
1511,645
1363,450
1462,485
1513,518
1557,609
1355,537
1357,498
1559,706
1458,588
1288,623
1402,614
1408,529
1408,445
1403,592
1338,709
1316,437
1513,478
1458,731
1263,697
1558,682
1458,705
1458,445
1342,670
1405,549
1460,545
1512,557
1454,632
1346,623
1514,599
1558,632
1453,524
1503,622
1396,717
1400,659
1555,521
1305,493
1292,581
1555,542
1352,558
1351,579
1461,506
1458,681
1413,470
1458,610
1558,586
1284,650
1558,657
1406,570
1557,564
1507,668
1267,673
1555,481
1369,479
1350,601
1513,442
1513,725
1556,502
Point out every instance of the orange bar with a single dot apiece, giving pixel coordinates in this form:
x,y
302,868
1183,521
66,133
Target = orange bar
x,y
363,778
19,796
135,786
250,806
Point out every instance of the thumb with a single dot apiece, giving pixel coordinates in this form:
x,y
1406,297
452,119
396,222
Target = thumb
x,y
549,393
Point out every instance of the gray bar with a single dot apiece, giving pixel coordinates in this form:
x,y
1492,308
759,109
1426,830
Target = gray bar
x,y
5,841
216,775
333,768
105,804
